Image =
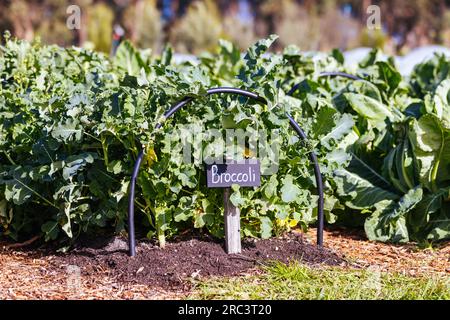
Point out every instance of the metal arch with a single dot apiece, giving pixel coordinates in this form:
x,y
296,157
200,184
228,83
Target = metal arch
x,y
313,156
339,74
327,74
319,181
178,106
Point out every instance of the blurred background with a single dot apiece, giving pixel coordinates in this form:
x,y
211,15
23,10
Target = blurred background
x,y
192,26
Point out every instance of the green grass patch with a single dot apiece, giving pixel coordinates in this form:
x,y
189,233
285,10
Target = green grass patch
x,y
300,282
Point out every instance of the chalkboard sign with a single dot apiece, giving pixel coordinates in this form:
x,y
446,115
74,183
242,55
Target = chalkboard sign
x,y
244,174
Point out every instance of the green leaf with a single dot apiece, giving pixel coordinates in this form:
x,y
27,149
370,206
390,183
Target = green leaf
x,y
439,226
187,176
360,192
395,231
337,54
368,89
266,227
51,230
166,55
388,75
388,223
343,126
115,166
256,70
65,222
289,191
431,146
236,198
17,193
259,48
371,58
441,101
270,188
185,209
323,121
18,187
403,205
205,216
128,59
399,166
338,158
430,204
75,163
369,108
68,131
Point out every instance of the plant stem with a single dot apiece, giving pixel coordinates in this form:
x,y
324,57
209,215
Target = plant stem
x,y
9,158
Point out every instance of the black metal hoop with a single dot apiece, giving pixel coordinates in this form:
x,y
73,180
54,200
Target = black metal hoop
x,y
339,74
178,106
327,74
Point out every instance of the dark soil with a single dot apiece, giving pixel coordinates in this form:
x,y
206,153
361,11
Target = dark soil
x,y
188,257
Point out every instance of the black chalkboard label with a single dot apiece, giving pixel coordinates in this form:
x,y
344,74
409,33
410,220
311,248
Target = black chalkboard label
x,y
244,174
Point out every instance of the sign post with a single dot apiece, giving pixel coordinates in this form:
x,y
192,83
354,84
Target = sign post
x,y
244,174
232,216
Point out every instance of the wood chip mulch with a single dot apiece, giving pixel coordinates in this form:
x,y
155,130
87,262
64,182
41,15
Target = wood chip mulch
x,y
28,274
407,259
24,275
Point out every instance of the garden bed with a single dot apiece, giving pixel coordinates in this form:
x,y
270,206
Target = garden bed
x,y
37,273
190,256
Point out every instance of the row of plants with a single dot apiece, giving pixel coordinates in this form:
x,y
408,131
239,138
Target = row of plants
x,y
72,122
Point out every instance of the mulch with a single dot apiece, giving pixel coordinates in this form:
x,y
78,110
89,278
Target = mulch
x,y
407,259
101,268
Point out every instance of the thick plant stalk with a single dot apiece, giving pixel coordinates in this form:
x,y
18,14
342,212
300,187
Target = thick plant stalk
x,y
160,220
161,238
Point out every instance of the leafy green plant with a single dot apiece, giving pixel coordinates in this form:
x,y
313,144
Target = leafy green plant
x,y
73,122
399,172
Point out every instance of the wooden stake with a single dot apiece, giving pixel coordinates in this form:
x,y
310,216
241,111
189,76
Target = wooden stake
x,y
232,224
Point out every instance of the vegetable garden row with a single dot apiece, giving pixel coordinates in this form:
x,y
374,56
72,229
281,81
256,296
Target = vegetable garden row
x,y
73,121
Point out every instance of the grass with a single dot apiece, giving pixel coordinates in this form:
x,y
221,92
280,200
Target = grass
x,y
299,282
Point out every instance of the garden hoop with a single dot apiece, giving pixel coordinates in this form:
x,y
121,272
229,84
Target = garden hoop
x,y
240,92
